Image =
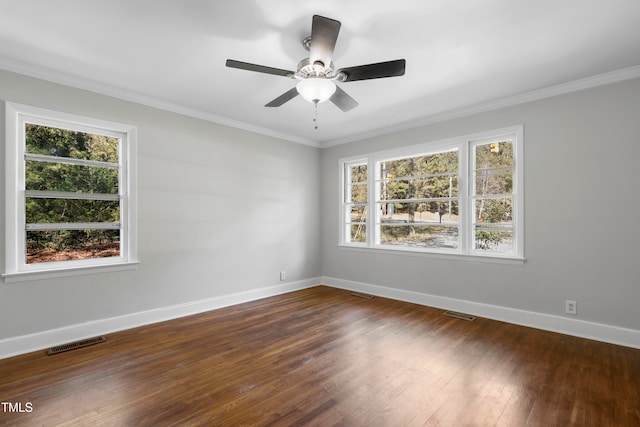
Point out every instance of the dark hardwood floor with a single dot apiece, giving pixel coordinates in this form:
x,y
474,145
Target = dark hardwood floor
x,y
324,357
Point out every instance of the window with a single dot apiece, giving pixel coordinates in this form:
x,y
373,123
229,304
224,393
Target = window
x,y
492,197
417,201
355,202
70,192
461,196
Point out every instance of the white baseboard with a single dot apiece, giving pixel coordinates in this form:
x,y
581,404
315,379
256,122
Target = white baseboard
x,y
33,342
548,322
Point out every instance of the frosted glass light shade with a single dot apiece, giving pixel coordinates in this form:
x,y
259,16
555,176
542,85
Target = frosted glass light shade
x,y
315,89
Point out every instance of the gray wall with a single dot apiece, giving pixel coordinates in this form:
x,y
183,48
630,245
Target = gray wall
x,y
582,204
220,211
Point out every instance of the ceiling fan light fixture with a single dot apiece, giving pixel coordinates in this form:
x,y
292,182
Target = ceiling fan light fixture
x,y
317,73
316,89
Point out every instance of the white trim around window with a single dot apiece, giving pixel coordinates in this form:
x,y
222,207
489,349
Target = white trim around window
x,y
467,204
16,267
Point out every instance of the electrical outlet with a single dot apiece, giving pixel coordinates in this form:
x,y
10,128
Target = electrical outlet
x,y
283,275
570,307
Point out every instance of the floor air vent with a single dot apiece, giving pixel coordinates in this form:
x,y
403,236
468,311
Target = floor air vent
x,y
361,295
462,316
73,345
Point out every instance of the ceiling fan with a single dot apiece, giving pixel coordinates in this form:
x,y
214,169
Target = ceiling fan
x,y
318,75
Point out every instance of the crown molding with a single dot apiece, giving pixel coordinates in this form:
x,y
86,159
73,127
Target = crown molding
x,y
104,89
535,95
93,86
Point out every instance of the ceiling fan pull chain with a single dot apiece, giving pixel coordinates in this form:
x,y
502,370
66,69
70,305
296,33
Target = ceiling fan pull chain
x,y
315,119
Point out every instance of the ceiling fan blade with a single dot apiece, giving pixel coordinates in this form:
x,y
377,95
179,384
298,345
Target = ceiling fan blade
x,y
324,33
342,100
285,97
374,71
258,68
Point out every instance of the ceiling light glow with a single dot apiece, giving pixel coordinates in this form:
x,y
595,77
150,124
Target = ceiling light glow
x,y
316,89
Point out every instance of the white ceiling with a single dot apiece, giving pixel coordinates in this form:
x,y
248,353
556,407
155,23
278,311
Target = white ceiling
x,y
460,54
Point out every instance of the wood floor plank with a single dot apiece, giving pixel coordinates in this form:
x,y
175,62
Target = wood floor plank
x,y
323,357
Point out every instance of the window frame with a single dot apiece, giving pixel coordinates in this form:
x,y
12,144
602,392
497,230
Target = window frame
x,y
346,224
466,227
16,268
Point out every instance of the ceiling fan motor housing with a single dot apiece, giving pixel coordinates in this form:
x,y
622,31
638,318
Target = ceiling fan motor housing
x,y
318,70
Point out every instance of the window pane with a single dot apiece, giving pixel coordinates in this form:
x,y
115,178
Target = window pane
x,y
358,213
420,236
357,193
67,143
494,181
356,198
420,165
430,212
66,245
494,240
46,211
358,173
494,216
441,186
419,188
358,233
72,178
494,154
494,211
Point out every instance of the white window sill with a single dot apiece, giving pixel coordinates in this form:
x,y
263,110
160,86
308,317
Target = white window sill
x,y
401,251
24,276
